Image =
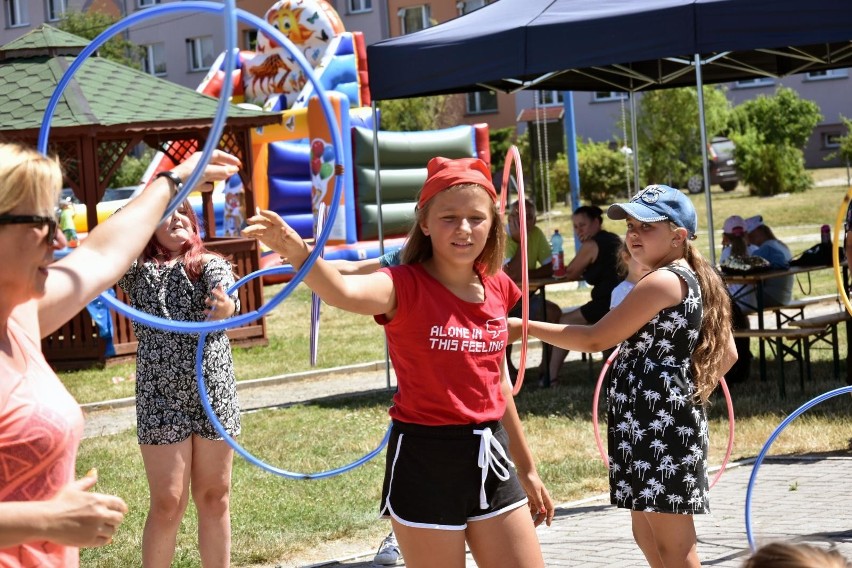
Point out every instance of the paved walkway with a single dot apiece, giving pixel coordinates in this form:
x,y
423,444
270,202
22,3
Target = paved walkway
x,y
802,499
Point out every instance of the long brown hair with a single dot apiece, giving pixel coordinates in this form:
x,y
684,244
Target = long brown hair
x,y
193,250
418,247
715,325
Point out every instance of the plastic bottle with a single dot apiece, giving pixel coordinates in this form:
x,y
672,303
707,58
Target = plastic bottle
x,y
558,254
825,234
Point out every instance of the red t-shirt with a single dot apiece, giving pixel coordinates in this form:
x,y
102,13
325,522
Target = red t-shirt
x,y
40,429
447,353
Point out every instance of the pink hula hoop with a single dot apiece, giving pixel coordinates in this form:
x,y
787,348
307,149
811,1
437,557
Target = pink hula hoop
x,y
513,156
729,403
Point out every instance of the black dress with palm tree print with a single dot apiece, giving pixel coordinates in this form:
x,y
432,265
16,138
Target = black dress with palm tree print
x,y
657,434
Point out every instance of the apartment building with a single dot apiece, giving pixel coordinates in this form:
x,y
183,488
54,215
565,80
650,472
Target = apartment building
x,y
181,47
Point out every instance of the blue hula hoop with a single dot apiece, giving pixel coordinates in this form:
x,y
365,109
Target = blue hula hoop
x,y
164,324
248,456
768,444
315,300
221,110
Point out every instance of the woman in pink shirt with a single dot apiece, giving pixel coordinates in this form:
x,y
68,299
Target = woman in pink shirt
x,y
45,514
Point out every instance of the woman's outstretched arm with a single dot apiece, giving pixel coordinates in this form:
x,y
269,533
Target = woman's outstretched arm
x,y
368,294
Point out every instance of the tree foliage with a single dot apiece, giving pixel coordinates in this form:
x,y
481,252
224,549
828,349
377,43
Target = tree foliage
x,y
783,119
845,149
418,113
770,134
601,173
90,24
669,133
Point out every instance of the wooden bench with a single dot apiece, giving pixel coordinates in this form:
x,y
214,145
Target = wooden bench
x,y
797,307
798,349
827,322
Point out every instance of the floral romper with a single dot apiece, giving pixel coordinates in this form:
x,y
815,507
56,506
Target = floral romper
x,y
168,409
657,434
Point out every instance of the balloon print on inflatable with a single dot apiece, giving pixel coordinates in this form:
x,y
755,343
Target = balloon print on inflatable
x,y
309,24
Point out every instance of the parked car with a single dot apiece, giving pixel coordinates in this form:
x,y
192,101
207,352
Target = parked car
x,y
723,171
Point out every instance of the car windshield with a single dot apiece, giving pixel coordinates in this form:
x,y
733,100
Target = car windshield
x,y
723,147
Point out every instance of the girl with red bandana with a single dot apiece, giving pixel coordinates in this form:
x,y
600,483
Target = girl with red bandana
x,y
449,479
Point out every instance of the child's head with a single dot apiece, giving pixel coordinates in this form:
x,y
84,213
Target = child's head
x,y
465,180
178,234
784,555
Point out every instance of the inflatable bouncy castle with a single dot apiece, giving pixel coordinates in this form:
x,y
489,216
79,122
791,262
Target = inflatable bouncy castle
x,y
293,162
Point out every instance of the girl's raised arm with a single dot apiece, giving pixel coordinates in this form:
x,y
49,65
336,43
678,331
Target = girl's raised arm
x,y
369,294
655,292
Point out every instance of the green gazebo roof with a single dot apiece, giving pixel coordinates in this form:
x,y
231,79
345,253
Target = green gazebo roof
x,y
102,94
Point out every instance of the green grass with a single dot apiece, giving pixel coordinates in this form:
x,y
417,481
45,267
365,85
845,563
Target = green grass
x,y
276,519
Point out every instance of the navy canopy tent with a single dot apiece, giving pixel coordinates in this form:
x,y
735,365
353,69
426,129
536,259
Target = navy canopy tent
x,y
608,45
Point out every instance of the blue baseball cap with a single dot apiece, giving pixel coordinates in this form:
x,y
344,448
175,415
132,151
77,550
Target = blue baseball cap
x,y
658,203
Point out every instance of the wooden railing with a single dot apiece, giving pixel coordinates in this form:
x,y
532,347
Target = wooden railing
x,y
77,344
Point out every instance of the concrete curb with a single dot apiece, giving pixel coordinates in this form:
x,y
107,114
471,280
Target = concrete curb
x,y
256,383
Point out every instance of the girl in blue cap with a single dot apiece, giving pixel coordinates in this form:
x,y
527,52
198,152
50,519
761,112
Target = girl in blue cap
x,y
675,342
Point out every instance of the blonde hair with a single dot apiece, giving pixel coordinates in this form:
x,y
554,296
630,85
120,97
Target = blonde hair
x,y
784,555
28,177
418,247
715,325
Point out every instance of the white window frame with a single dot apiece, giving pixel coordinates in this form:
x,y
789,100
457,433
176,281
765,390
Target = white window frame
x,y
55,9
468,6
146,3
830,140
608,96
250,40
195,53
477,107
424,16
359,6
17,13
551,98
754,83
827,75
151,61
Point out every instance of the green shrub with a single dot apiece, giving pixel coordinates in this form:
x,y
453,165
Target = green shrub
x,y
770,169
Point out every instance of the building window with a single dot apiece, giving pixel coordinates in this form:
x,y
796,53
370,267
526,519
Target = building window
x,y
830,140
16,13
413,19
552,98
481,102
607,96
360,6
200,53
56,9
756,82
250,40
827,74
154,62
146,3
468,6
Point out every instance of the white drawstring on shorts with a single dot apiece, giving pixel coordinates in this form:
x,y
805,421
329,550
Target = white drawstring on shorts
x,y
487,445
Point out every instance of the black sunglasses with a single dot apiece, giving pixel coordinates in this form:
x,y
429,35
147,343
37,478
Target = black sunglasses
x,y
32,220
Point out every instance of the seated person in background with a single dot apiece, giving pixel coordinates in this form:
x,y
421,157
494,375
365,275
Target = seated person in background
x,y
776,291
539,265
734,245
596,264
632,272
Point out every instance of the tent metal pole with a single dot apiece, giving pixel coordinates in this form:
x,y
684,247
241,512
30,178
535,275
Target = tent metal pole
x,y
573,162
379,224
704,161
635,133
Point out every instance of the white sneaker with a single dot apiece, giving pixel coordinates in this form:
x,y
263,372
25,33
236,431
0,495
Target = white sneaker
x,y
388,554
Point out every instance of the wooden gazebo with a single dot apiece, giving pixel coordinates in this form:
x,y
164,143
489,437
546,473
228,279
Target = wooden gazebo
x,y
106,111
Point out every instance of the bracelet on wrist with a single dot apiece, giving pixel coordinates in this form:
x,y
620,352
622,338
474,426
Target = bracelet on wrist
x,y
175,181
